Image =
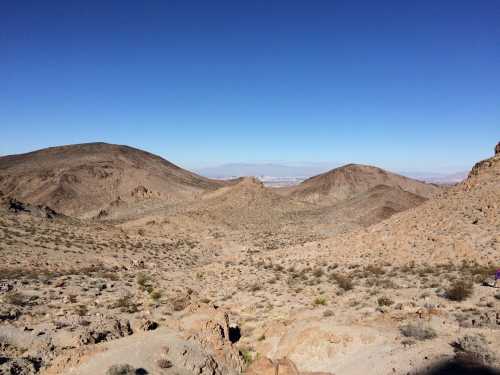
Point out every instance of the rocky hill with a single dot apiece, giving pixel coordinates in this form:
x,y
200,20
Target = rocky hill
x,y
352,179
461,223
87,179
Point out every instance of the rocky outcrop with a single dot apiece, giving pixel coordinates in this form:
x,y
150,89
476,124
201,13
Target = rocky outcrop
x,y
9,312
19,366
497,149
15,206
209,327
104,330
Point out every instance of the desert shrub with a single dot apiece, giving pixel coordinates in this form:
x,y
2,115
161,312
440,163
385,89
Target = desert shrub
x,y
113,276
383,282
473,349
318,272
121,370
15,298
81,310
478,271
255,287
459,290
385,301
142,280
328,313
278,268
156,295
344,282
319,301
164,363
247,356
374,270
418,331
125,304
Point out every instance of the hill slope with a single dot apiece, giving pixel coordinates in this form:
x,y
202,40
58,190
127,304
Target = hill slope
x,y
462,223
353,179
80,180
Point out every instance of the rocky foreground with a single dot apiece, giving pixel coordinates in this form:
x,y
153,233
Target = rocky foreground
x,y
164,294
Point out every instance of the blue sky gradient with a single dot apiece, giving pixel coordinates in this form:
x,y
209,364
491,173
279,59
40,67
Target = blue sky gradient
x,y
403,85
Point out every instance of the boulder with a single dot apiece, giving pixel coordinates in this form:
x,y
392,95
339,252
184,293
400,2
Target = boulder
x,y
5,287
104,330
209,327
9,312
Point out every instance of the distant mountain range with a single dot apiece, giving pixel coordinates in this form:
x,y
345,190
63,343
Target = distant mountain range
x,y
304,170
274,174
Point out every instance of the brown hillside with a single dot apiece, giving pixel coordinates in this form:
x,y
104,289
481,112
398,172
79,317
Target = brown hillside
x,y
352,179
462,223
80,180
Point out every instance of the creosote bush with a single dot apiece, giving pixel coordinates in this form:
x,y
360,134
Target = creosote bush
x,y
344,282
15,298
418,331
385,301
459,290
164,363
121,370
156,295
473,349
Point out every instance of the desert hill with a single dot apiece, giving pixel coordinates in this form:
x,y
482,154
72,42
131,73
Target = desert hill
x,y
461,223
246,204
377,204
352,179
85,179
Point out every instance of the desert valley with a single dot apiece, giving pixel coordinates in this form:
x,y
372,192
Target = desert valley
x,y
116,261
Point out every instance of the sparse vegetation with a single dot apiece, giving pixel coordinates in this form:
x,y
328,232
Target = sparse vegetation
x,y
15,298
121,370
344,282
418,331
156,295
258,261
319,301
143,280
164,363
247,356
255,287
328,313
385,301
125,303
473,349
459,290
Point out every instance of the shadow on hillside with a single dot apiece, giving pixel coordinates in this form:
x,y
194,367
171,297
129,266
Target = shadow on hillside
x,y
454,367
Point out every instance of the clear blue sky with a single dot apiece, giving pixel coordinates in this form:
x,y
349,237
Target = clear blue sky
x,y
400,84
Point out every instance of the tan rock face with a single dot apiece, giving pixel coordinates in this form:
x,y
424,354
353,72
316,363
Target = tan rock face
x,y
264,366
497,149
209,327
